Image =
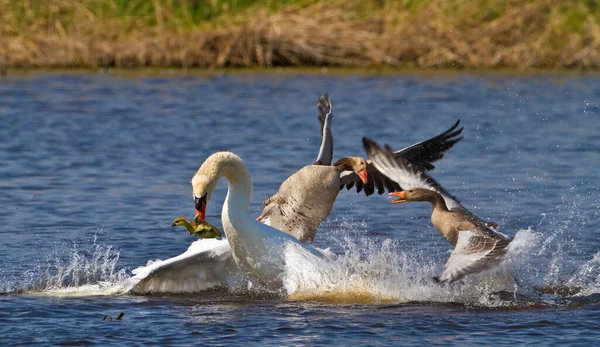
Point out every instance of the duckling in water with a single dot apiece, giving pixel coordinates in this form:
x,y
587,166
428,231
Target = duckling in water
x,y
203,230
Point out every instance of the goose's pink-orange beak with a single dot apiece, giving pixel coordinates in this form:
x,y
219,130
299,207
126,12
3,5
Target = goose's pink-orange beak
x,y
363,176
400,196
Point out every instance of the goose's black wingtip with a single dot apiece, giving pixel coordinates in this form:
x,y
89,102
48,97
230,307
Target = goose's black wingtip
x,y
452,128
369,145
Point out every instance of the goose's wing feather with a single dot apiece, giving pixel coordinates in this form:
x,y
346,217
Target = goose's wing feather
x,y
420,156
377,181
473,253
402,172
423,154
325,156
206,264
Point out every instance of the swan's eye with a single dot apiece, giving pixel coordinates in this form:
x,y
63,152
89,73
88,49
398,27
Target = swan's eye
x,y
410,191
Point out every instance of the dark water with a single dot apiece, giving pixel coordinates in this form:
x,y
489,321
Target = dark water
x,y
94,168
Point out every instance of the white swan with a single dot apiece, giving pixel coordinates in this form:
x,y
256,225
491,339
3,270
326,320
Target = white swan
x,y
256,248
252,250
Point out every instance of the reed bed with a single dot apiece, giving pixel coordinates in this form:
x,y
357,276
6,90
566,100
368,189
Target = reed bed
x,y
356,33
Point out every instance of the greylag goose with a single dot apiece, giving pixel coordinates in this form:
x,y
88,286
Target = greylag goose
x,y
325,108
477,247
305,199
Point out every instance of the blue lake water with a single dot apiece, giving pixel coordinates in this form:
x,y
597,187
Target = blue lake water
x,y
95,167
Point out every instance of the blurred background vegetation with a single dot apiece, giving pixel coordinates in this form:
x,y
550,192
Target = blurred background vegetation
x,y
522,34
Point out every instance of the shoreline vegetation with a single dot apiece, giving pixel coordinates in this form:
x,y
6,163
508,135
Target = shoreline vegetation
x,y
381,34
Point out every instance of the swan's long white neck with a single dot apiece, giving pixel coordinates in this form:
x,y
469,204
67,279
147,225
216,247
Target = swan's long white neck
x,y
234,216
237,202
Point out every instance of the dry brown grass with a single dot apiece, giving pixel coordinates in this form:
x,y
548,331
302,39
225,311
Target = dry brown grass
x,y
516,34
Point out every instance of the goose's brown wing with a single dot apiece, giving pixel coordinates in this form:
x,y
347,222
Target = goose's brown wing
x,y
473,253
423,154
325,156
404,174
420,156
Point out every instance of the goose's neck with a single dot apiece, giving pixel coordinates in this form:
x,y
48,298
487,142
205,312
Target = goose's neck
x,y
343,164
438,203
188,226
440,218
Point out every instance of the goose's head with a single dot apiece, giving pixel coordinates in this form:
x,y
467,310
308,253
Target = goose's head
x,y
356,164
179,221
414,194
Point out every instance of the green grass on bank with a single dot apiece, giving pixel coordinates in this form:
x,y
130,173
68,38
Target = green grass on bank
x,y
48,14
18,15
249,33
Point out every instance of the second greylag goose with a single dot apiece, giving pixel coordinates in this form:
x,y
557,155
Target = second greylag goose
x,y
305,199
476,246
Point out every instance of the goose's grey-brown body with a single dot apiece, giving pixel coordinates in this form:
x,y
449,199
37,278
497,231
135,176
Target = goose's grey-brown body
x,y
476,246
305,199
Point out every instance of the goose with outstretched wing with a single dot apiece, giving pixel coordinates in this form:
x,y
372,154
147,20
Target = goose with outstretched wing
x,y
305,199
477,246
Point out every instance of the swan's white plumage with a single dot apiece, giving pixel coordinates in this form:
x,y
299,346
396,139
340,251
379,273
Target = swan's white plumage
x,y
252,250
257,249
206,264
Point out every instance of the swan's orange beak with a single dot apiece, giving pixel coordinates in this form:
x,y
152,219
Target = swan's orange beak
x,y
202,214
400,196
363,176
200,204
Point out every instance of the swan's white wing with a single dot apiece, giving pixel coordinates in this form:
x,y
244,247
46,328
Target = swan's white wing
x,y
325,116
206,264
420,156
473,253
405,174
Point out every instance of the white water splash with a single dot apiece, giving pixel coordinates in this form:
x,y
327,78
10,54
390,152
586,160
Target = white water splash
x,y
366,269
83,273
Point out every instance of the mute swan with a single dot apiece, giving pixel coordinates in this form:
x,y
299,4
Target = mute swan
x,y
476,246
203,230
257,249
305,199
251,250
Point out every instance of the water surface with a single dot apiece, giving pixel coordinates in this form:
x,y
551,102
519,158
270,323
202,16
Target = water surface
x,y
95,167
